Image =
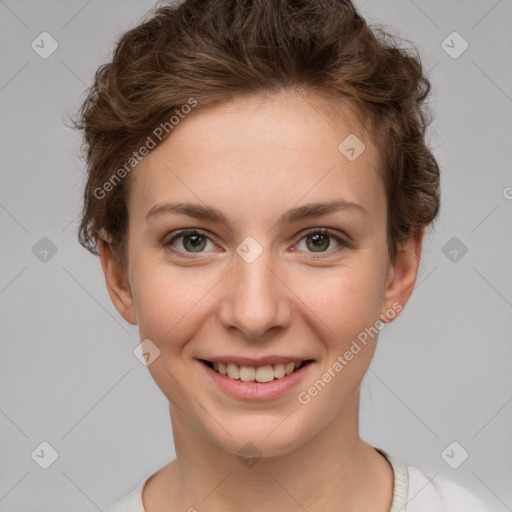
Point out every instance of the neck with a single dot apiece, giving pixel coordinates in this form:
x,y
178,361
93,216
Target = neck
x,y
332,470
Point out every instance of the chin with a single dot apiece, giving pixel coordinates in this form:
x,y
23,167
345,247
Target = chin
x,y
259,437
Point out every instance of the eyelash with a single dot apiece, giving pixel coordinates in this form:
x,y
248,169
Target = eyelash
x,y
323,231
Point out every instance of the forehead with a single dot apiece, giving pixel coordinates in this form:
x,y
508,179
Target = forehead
x,y
256,152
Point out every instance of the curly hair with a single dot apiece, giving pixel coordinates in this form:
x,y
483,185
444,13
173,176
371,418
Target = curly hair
x,y
207,51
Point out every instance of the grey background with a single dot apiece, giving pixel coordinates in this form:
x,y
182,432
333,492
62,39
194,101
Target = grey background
x,y
68,375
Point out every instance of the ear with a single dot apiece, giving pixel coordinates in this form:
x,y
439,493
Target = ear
x,y
401,277
117,283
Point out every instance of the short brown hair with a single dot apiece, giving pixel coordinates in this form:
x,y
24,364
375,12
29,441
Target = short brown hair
x,y
211,50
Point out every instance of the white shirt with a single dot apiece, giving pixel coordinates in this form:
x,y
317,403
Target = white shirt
x,y
412,492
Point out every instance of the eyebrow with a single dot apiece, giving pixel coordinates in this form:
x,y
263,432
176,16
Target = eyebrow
x,y
297,214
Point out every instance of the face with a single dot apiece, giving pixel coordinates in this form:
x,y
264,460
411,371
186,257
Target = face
x,y
263,277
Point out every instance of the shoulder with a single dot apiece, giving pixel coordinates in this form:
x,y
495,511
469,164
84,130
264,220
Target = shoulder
x,y
132,502
439,494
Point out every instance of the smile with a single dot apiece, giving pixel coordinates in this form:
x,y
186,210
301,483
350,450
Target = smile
x,y
262,374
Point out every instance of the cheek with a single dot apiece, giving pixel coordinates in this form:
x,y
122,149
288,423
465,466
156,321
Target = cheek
x,y
168,303
346,299
344,315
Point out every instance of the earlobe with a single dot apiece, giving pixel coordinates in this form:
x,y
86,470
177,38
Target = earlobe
x,y
117,283
401,277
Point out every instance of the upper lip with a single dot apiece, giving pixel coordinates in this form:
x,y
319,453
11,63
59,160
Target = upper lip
x,y
249,361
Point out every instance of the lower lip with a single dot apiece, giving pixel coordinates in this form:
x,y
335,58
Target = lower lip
x,y
257,390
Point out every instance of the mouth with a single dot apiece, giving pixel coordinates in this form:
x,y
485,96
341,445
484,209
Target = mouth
x,y
256,374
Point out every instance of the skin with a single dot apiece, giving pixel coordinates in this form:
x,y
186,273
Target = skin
x,y
254,158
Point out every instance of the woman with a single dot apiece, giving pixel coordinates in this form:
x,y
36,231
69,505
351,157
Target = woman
x,y
258,191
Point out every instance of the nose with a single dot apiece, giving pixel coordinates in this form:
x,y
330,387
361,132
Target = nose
x,y
256,299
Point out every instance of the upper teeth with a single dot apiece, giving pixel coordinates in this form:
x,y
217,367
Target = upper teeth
x,y
260,374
